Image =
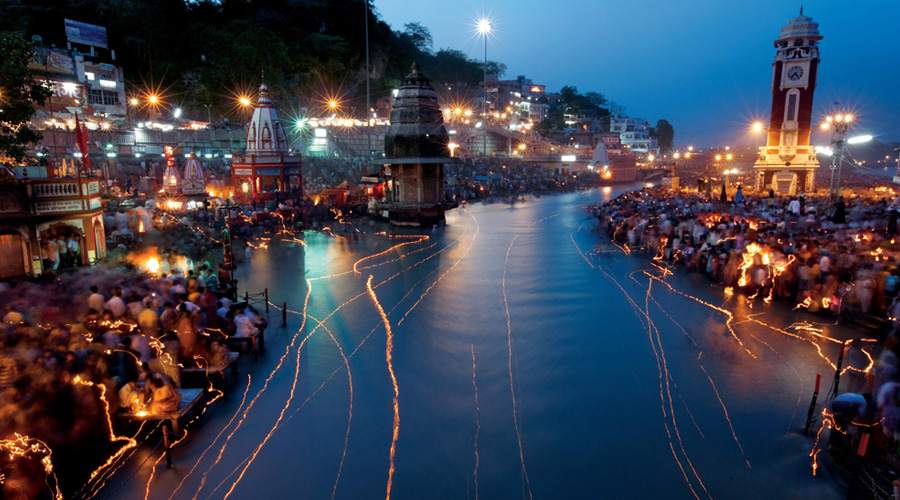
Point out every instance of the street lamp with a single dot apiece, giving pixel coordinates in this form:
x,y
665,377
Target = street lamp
x,y
484,28
839,123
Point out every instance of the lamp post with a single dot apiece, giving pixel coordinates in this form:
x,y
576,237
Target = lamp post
x,y
840,124
484,27
369,121
728,158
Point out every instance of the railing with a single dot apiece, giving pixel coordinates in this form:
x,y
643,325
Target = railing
x,y
61,188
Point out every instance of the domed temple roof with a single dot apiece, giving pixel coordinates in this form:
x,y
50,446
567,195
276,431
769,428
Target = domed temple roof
x,y
800,27
265,135
417,123
193,170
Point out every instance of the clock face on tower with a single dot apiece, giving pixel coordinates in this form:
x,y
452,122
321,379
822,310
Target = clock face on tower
x,y
795,73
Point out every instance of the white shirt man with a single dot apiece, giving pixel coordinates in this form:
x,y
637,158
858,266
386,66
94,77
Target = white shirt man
x,y
116,306
96,302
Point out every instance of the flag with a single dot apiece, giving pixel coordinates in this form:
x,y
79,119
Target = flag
x,y
81,144
87,159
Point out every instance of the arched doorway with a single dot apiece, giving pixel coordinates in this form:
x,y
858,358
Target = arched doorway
x,y
62,247
12,254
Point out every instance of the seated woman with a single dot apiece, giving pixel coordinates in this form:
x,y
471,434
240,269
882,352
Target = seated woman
x,y
165,397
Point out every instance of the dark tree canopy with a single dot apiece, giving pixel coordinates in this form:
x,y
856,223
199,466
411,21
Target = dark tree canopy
x,y
665,136
420,36
18,92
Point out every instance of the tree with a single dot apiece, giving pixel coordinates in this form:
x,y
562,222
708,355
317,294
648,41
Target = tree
x,y
665,134
420,36
19,92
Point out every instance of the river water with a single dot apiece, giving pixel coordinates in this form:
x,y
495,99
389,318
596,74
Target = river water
x,y
523,356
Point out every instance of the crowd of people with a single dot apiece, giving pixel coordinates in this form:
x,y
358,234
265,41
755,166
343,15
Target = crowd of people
x,y
478,179
805,250
114,327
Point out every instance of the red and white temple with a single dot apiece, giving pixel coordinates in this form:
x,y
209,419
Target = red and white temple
x,y
266,169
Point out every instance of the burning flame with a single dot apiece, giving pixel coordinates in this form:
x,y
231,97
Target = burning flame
x,y
153,265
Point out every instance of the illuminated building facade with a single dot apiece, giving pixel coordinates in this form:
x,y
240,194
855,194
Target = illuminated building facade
x,y
36,212
266,169
787,163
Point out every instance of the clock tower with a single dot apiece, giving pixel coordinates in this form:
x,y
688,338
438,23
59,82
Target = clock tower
x,y
787,163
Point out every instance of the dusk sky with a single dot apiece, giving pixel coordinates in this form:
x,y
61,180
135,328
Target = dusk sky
x,y
703,65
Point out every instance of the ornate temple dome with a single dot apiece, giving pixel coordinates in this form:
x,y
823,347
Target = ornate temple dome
x,y
171,177
265,135
417,122
193,170
800,27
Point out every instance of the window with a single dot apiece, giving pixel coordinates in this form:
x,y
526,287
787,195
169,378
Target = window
x,y
110,84
89,75
103,97
791,112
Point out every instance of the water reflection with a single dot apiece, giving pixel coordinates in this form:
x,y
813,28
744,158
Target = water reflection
x,y
515,353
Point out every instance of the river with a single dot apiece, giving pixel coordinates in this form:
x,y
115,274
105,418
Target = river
x,y
523,356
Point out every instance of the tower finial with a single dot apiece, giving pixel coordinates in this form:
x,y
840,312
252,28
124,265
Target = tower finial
x,y
801,10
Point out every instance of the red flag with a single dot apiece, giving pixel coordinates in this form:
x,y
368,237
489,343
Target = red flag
x,y
78,135
81,138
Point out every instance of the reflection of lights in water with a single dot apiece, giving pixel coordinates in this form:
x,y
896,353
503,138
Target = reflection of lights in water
x,y
379,254
226,426
287,403
512,390
477,424
388,354
812,332
727,418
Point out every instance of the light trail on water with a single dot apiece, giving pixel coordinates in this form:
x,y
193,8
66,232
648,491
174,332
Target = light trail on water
x,y
388,355
477,425
512,390
259,393
727,417
214,441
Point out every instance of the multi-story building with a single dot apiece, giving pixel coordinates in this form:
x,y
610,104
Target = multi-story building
x,y
520,96
83,78
634,133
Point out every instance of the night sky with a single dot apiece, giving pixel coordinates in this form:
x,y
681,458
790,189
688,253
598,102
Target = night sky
x,y
703,65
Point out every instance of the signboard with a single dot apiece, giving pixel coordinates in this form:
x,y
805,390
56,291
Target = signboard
x,y
64,93
53,61
57,206
268,171
243,171
293,171
87,34
94,187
